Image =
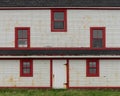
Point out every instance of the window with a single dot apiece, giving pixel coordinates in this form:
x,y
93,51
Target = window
x,y
26,68
58,21
22,37
92,68
97,37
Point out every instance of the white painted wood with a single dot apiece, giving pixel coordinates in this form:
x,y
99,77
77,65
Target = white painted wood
x,y
10,74
77,73
41,73
78,27
59,73
109,74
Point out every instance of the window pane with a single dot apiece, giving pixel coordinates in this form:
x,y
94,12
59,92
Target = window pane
x,y
59,25
92,71
22,33
26,64
97,43
26,71
92,64
97,33
58,15
22,42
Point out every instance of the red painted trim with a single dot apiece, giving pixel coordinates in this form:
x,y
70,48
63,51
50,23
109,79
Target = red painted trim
x,y
67,72
58,48
21,68
29,87
16,36
52,20
84,87
118,58
51,73
96,87
88,74
103,39
49,8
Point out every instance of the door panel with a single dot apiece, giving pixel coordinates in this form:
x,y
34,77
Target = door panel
x,y
59,73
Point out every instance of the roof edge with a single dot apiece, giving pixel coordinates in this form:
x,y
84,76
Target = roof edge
x,y
38,8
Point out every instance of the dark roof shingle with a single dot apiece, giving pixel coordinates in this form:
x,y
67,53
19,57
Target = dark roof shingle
x,y
59,3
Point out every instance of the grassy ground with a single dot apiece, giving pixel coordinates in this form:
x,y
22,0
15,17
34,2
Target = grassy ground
x,y
38,92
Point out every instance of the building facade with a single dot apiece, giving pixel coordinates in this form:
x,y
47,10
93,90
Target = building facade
x,y
59,44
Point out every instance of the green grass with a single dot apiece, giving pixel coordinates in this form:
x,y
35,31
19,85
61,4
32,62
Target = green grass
x,y
58,92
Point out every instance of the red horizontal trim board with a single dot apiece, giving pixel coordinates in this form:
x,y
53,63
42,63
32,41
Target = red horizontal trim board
x,y
60,59
59,48
110,87
98,87
26,87
71,8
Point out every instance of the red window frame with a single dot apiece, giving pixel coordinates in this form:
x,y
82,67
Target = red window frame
x,y
16,36
22,74
88,67
53,20
103,36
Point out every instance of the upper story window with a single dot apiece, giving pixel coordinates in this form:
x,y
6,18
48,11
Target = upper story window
x,y
26,68
22,37
58,21
97,37
92,68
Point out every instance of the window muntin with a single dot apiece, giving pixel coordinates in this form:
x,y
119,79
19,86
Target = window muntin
x,y
92,67
26,67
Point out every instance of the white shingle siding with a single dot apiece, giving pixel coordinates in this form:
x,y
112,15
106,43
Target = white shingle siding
x,y
10,74
109,74
78,27
41,72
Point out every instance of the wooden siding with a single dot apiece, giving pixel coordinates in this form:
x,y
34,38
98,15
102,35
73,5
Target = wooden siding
x,y
78,27
109,74
75,72
10,74
41,73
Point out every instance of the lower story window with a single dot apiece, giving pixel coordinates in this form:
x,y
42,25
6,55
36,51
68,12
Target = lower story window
x,y
26,68
92,68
